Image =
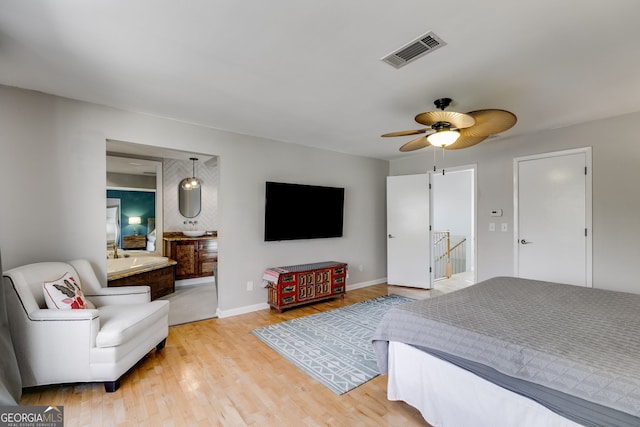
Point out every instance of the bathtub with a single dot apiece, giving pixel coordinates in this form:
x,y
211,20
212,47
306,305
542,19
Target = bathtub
x,y
156,272
133,263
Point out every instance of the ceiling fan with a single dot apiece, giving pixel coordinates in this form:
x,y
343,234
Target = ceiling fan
x,y
451,130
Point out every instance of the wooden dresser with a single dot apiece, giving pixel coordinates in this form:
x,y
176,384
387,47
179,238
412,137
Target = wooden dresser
x,y
134,242
301,284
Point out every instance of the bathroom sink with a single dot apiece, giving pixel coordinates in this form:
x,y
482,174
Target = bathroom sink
x,y
194,233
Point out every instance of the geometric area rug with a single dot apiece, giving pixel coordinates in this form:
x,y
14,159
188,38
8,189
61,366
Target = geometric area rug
x,y
333,347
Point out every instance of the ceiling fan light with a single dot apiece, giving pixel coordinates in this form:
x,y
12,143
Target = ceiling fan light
x,y
443,138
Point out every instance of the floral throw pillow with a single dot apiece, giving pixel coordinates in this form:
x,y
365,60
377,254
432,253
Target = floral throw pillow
x,y
65,293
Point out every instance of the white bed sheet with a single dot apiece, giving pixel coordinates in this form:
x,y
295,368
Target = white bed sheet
x,y
448,396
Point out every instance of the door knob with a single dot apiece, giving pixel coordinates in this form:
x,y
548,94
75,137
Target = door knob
x,y
524,242
391,236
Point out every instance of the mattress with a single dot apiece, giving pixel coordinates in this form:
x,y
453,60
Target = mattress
x,y
443,402
573,349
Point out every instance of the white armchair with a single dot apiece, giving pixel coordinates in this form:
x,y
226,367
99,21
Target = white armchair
x,y
89,345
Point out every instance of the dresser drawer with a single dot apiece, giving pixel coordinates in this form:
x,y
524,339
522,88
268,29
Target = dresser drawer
x,y
134,242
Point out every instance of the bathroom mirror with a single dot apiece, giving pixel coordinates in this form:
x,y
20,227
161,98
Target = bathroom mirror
x,y
188,199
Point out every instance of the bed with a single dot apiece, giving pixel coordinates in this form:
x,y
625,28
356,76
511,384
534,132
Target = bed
x,y
510,351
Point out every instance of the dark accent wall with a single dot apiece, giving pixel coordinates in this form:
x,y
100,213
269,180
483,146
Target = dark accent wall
x,y
134,203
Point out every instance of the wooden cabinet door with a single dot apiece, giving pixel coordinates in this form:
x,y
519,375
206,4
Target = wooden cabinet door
x,y
186,254
207,257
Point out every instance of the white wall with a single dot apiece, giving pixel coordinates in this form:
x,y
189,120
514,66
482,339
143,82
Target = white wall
x,y
53,178
173,172
124,180
616,194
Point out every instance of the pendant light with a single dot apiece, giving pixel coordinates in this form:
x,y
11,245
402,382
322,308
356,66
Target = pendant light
x,y
193,182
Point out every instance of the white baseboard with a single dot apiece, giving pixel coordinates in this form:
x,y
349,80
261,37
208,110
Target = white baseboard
x,y
365,284
241,310
265,306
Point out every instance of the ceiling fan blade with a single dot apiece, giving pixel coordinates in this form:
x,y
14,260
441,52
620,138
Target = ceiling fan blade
x,y
405,132
465,141
490,122
415,144
457,120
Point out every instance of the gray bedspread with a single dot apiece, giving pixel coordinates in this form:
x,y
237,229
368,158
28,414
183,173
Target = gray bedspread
x,y
581,342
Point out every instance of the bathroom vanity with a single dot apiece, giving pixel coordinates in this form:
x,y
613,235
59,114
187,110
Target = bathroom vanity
x,y
195,256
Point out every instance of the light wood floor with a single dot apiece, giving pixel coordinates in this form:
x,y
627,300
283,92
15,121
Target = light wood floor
x,y
215,373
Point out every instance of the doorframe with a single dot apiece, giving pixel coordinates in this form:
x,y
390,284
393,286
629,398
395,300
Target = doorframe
x,y
474,212
588,206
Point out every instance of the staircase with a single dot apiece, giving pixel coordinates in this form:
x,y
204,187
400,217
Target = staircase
x,y
450,254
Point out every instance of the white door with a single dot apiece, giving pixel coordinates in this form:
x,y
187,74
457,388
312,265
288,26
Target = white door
x,y
553,217
408,234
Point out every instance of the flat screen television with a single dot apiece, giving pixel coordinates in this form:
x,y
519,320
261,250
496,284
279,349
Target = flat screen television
x,y
296,211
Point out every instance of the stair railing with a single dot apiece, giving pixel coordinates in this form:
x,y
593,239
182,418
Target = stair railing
x,y
449,259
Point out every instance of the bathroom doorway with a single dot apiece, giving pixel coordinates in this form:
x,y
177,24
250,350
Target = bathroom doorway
x,y
196,298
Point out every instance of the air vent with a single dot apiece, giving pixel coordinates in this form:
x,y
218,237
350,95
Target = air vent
x,y
413,50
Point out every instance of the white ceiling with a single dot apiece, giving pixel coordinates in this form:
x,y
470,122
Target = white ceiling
x,y
309,72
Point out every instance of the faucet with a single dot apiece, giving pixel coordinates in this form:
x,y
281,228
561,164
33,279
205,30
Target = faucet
x,y
193,223
115,250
